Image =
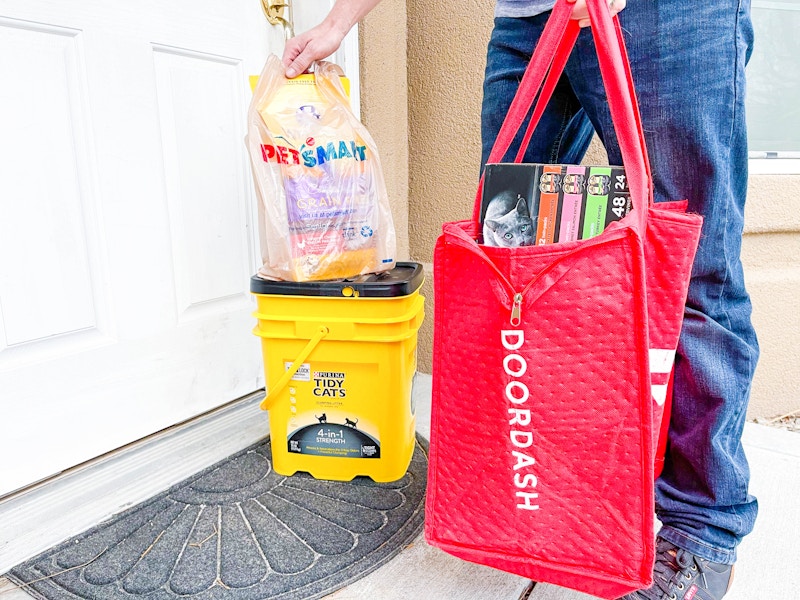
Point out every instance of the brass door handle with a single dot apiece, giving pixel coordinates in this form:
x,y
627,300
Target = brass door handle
x,y
274,11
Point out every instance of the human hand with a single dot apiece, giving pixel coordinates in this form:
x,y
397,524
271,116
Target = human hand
x,y
314,44
581,13
324,39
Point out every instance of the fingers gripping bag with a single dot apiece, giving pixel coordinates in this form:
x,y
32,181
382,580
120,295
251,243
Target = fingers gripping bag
x,y
323,208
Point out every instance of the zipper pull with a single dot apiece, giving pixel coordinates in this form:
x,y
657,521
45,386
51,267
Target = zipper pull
x,y
516,310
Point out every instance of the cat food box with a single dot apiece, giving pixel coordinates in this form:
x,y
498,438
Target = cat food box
x,y
549,183
510,204
526,204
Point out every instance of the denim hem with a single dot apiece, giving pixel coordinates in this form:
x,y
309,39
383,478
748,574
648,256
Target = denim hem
x,y
697,547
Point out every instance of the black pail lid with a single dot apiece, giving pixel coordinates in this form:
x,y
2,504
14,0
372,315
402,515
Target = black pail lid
x,y
403,280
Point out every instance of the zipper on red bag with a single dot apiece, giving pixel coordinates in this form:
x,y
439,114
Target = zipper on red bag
x,y
516,306
516,310
516,297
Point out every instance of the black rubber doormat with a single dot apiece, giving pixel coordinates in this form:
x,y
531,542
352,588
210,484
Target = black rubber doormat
x,y
237,531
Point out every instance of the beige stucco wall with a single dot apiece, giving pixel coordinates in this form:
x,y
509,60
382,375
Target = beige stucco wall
x,y
771,258
445,57
384,104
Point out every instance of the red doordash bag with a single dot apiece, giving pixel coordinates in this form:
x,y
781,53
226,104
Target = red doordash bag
x,y
551,365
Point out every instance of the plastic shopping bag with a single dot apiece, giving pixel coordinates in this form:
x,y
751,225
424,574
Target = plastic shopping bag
x,y
323,208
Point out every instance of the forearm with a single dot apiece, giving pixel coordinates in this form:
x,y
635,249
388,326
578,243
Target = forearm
x,y
581,13
346,13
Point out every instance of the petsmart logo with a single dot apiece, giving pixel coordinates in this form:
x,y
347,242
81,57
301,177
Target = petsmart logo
x,y
310,156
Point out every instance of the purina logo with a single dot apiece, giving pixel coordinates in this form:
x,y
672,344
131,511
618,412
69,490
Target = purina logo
x,y
310,155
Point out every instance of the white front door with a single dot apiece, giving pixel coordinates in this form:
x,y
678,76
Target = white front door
x,y
127,227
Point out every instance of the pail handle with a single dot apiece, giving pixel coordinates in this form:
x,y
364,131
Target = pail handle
x,y
312,343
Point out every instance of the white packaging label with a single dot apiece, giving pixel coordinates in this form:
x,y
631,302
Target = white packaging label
x,y
302,374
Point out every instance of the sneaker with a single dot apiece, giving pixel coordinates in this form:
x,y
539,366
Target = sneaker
x,y
680,575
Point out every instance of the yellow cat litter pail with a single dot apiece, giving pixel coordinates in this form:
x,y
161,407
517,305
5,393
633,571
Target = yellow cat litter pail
x,y
339,359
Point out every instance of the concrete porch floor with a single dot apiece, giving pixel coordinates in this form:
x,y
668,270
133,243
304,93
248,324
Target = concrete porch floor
x,y
768,566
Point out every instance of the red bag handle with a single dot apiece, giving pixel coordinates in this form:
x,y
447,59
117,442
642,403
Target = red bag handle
x,y
557,68
549,58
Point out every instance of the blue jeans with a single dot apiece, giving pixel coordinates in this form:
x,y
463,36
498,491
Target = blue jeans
x,y
688,66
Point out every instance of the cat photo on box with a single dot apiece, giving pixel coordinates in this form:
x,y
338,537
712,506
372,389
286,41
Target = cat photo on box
x,y
509,205
508,222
